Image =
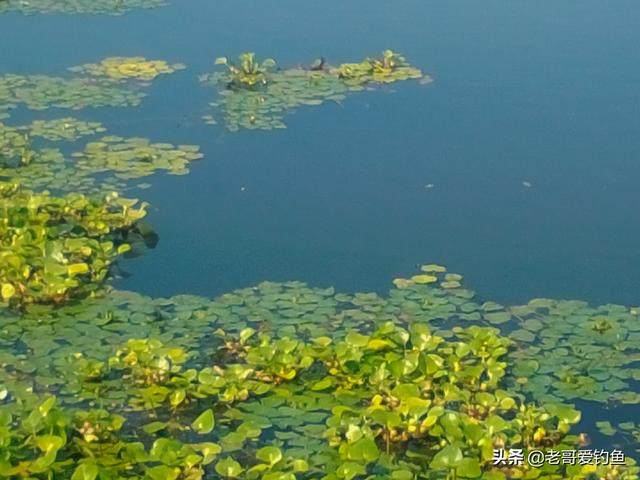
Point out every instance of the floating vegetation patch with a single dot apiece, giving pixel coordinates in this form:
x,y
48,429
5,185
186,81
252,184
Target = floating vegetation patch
x,y
125,68
103,166
63,129
108,7
53,249
564,350
570,350
39,168
135,157
40,92
628,433
257,95
279,381
95,85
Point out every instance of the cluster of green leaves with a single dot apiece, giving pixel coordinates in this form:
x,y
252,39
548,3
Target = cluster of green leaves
x,y
134,157
569,350
39,167
113,82
391,67
247,72
564,350
39,92
56,248
257,95
279,382
120,69
628,433
117,160
67,129
54,442
107,7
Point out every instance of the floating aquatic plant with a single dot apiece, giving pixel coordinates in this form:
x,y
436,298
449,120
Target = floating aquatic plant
x,y
570,350
124,68
391,67
278,381
626,433
108,7
54,249
257,95
116,159
395,403
40,168
565,350
97,85
135,157
66,129
247,72
40,92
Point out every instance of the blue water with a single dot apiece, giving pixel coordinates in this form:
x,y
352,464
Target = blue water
x,y
539,92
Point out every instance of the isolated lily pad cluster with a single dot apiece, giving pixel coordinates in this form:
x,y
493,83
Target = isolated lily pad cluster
x,y
135,157
108,7
32,155
570,350
257,95
565,350
53,249
124,68
278,381
40,92
625,434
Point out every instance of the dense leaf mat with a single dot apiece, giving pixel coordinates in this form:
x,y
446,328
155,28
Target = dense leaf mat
x,y
53,249
285,381
257,95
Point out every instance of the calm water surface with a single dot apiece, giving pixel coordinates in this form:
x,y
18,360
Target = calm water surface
x,y
526,93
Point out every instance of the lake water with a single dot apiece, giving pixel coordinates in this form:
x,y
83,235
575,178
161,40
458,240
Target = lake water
x,y
517,167
543,93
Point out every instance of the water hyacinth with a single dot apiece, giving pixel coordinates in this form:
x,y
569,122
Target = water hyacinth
x,y
276,381
66,129
125,68
40,92
54,249
257,95
279,381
